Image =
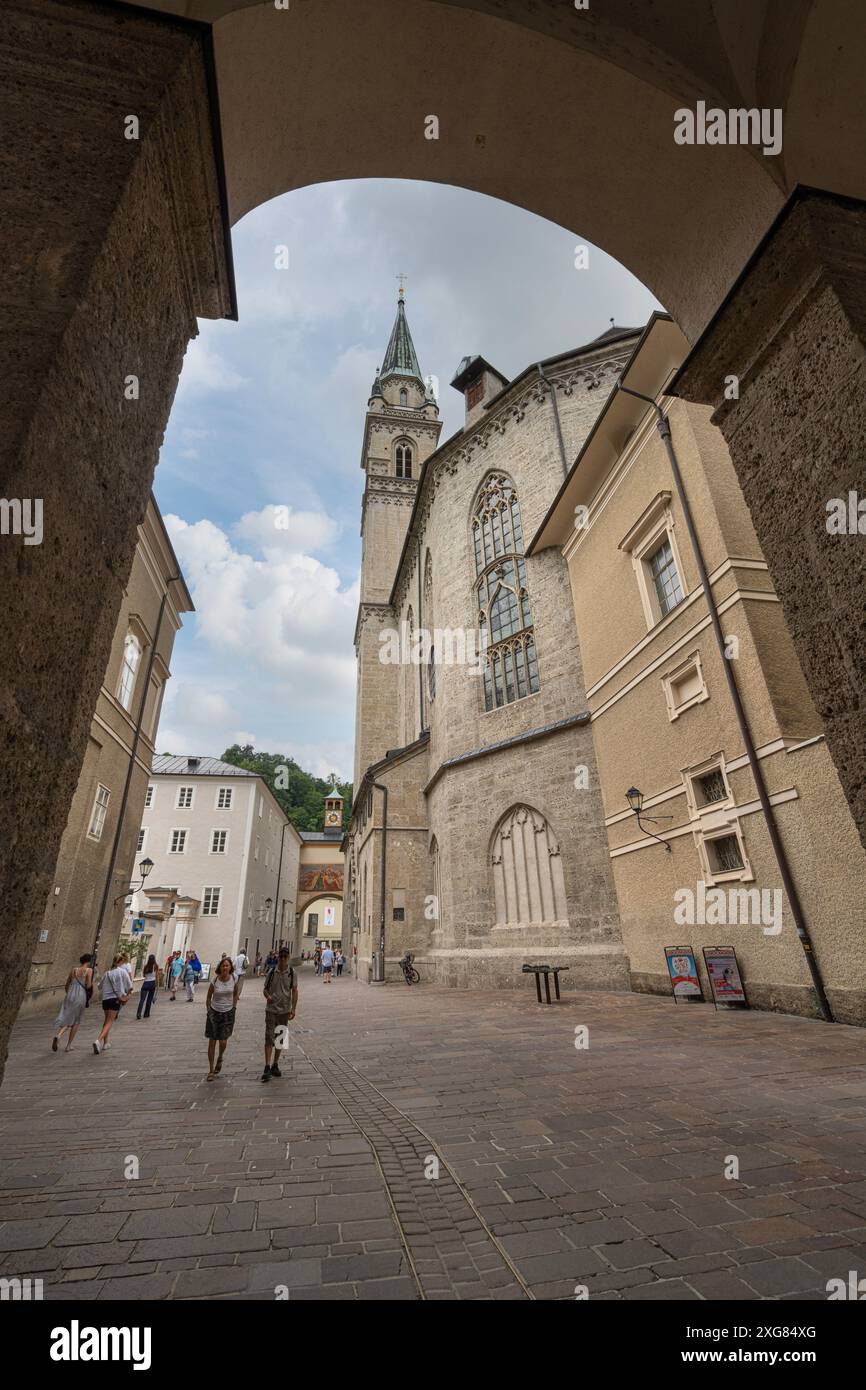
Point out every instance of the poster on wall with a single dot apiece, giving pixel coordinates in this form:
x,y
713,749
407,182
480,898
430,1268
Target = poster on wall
x,y
724,975
684,973
329,915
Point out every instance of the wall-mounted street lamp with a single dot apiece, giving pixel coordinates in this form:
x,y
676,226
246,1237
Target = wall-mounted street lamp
x,y
634,797
144,869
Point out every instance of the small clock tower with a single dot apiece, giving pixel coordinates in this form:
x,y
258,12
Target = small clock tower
x,y
333,810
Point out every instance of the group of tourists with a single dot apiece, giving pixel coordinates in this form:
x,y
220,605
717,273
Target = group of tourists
x,y
326,960
184,968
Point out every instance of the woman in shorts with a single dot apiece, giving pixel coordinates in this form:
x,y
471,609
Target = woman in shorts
x,y
222,1001
114,991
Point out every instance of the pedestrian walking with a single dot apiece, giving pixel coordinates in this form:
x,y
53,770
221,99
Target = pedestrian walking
x,y
281,1002
175,972
223,994
147,993
114,992
257,968
317,959
79,984
190,976
339,962
240,965
327,964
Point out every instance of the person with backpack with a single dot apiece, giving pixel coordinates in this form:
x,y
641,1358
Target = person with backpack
x,y
223,994
239,967
191,975
281,1002
114,992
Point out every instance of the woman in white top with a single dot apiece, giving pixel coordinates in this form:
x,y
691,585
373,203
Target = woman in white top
x,y
114,989
222,1000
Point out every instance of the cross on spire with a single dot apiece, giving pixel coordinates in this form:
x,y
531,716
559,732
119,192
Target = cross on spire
x,y
402,278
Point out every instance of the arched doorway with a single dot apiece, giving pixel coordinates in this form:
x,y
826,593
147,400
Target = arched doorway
x,y
569,113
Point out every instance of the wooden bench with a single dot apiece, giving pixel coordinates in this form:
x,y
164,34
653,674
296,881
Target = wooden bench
x,y
546,971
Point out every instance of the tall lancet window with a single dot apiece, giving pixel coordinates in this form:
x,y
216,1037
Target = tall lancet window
x,y
504,615
404,396
403,458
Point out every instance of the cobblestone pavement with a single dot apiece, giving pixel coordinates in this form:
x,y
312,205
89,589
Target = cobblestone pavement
x,y
557,1167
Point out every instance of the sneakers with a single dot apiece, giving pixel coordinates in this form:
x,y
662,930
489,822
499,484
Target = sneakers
x,y
97,1047
275,1071
266,1074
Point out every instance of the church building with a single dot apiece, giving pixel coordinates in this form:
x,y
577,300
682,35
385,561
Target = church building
x,y
477,832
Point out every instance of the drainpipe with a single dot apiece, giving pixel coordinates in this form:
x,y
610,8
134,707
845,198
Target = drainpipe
x,y
380,967
277,919
552,389
664,429
175,578
420,663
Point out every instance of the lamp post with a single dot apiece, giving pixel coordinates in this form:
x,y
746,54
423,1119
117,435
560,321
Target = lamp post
x,y
634,797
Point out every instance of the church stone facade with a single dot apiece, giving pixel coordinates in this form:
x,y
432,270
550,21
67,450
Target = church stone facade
x,y
477,834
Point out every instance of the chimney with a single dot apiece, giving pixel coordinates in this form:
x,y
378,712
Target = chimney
x,y
479,383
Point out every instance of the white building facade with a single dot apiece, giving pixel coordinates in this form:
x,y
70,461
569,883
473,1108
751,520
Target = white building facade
x,y
225,861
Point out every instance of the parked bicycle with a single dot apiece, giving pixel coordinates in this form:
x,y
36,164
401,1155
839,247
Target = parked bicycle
x,y
410,974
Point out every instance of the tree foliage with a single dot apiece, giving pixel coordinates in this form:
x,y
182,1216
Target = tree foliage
x,y
301,795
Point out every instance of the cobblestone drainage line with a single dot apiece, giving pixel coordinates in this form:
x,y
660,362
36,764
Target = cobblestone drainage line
x,y
363,1081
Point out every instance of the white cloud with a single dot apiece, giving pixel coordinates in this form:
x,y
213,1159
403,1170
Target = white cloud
x,y
204,370
281,529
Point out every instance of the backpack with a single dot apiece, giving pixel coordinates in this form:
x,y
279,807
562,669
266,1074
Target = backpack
x,y
272,972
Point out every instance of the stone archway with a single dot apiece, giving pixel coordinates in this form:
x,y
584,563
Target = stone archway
x,y
116,241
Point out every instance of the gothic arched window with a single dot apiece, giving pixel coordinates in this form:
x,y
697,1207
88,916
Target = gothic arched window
x,y
403,458
528,882
404,396
504,615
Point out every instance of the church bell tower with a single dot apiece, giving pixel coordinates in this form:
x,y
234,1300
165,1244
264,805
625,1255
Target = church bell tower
x,y
401,430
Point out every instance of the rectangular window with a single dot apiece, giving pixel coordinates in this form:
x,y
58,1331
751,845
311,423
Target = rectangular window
x,y
261,804
224,798
267,857
313,921
184,798
724,853
210,902
712,786
149,794
218,841
665,579
177,844
100,810
250,906
142,836
257,847
399,914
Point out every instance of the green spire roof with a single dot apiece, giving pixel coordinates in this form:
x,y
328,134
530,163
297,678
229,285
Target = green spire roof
x,y
400,357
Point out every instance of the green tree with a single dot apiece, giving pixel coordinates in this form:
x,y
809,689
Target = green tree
x,y
300,794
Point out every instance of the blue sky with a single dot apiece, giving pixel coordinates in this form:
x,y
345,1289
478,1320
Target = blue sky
x,y
269,413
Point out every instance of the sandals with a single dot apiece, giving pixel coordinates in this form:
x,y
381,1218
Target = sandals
x,y
211,1076
218,1067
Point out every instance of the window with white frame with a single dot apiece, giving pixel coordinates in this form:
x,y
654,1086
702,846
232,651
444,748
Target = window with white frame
x,y
708,790
684,686
224,798
218,841
261,805
131,659
250,905
210,902
267,857
184,798
257,847
149,795
723,854
99,812
177,843
652,545
142,836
